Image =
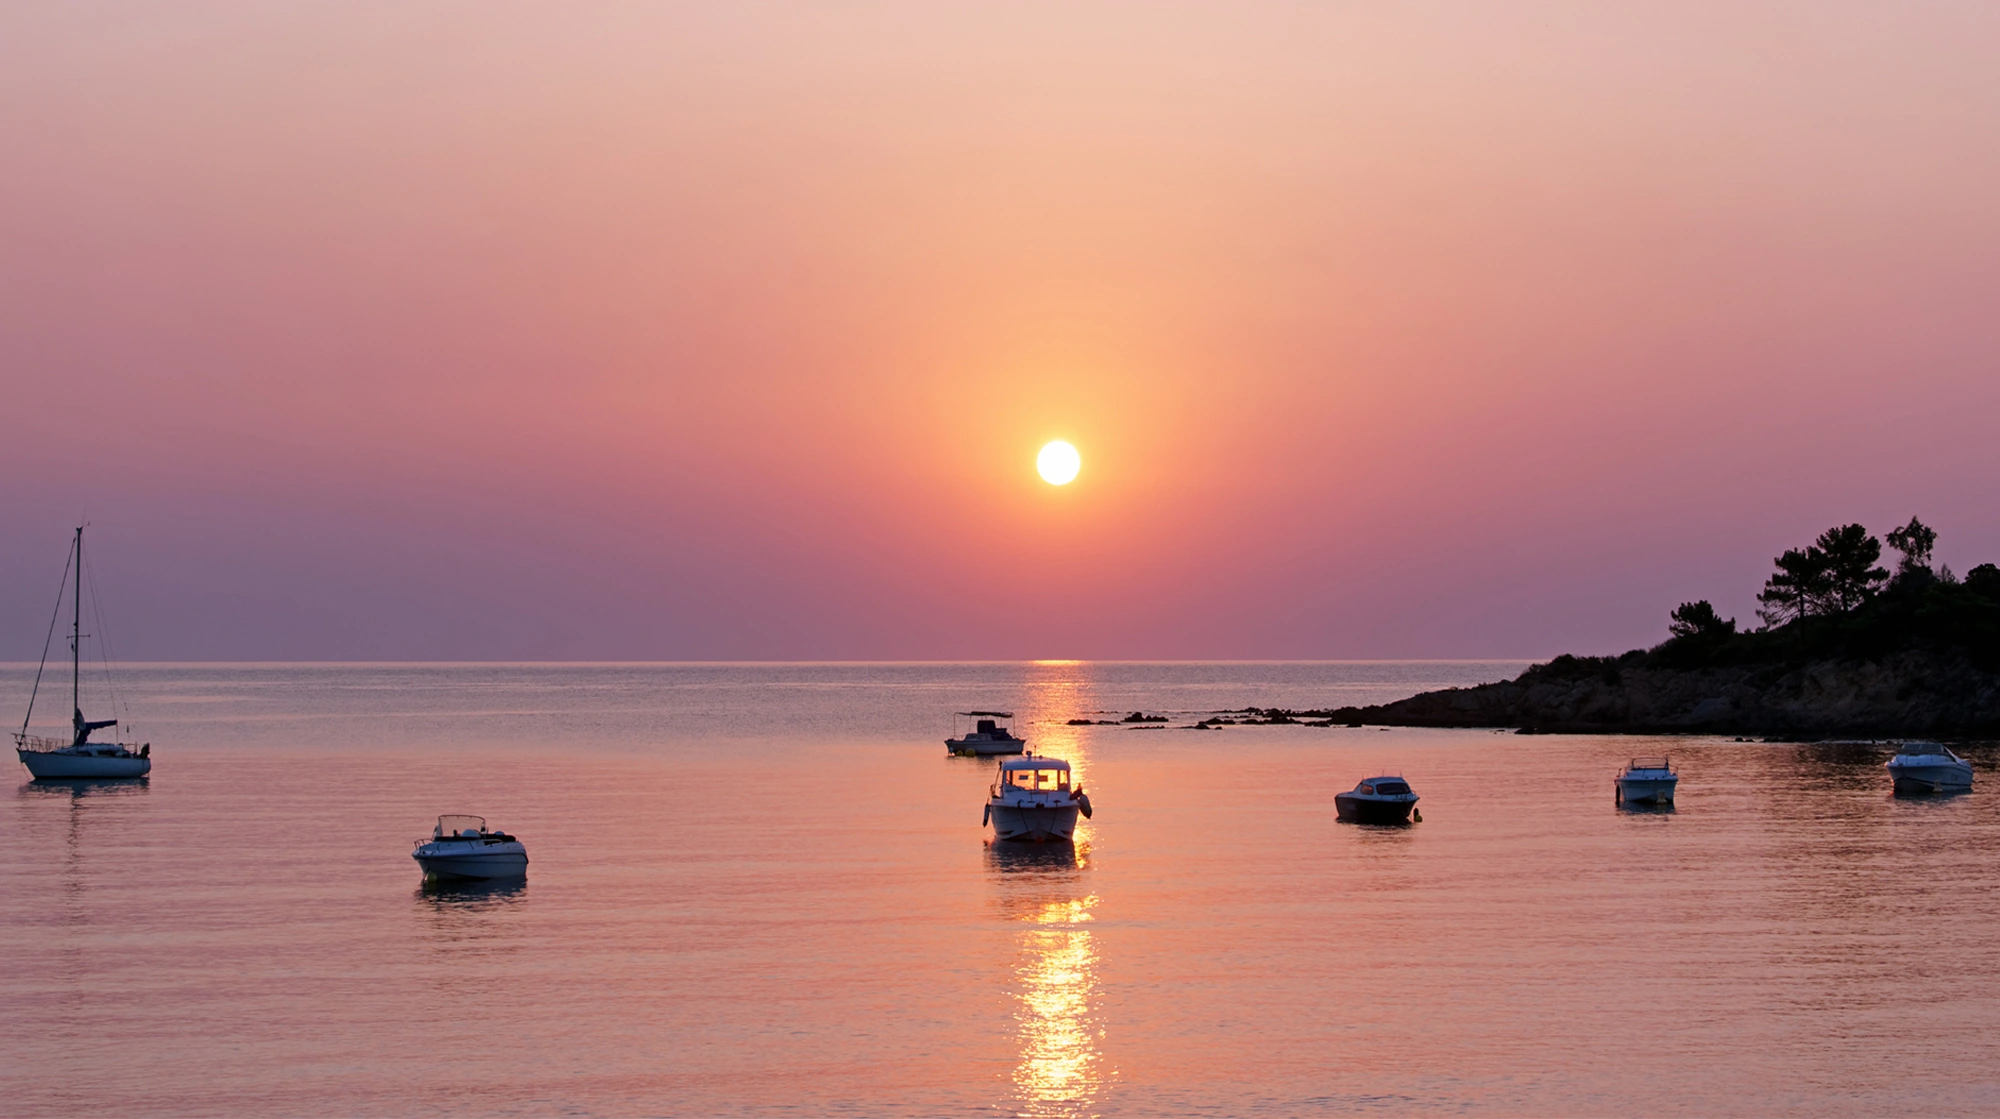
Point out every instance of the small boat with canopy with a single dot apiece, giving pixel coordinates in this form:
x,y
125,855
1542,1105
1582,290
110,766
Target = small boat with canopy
x,y
50,757
1032,801
461,847
986,738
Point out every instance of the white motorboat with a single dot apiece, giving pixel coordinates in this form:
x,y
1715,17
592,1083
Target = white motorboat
x,y
76,757
1377,800
1927,767
1646,781
987,737
1033,801
461,847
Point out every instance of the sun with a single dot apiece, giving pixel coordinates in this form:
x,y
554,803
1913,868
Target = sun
x,y
1058,463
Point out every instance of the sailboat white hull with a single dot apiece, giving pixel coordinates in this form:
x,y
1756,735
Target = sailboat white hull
x,y
61,764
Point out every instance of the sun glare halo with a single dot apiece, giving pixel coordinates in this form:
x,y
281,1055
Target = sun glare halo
x,y
1058,463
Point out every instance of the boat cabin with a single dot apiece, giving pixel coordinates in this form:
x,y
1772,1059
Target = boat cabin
x,y
985,723
1384,786
1032,774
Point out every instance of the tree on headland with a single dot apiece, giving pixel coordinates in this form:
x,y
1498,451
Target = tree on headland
x,y
1915,540
1851,557
1832,575
1699,619
1798,589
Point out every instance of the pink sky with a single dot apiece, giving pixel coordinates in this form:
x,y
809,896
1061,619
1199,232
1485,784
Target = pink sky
x,y
412,331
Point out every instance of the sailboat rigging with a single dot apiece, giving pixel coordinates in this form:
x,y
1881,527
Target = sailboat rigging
x,y
78,757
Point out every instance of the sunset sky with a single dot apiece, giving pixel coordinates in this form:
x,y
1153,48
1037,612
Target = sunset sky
x,y
496,331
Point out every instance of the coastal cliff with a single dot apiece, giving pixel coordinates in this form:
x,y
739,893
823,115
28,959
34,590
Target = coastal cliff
x,y
1908,693
1847,649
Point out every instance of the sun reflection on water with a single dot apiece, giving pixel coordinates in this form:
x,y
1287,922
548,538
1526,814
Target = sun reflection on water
x,y
1053,981
1058,1074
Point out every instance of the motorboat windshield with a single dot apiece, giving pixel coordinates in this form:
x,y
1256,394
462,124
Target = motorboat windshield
x,y
460,826
1036,774
1648,764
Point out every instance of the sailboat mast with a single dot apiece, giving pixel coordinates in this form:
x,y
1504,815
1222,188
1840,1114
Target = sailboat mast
x,y
76,637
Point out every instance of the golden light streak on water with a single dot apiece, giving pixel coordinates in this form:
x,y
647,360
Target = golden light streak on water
x,y
1059,1073
1059,691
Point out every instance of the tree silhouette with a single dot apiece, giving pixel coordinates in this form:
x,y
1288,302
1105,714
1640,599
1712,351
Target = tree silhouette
x,y
1852,577
1832,575
1798,589
1915,540
1699,619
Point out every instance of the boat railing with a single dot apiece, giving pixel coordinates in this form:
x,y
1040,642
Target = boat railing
x,y
40,744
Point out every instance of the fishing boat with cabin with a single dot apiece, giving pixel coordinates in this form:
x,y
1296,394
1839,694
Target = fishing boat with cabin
x,y
1033,801
1377,800
986,738
76,757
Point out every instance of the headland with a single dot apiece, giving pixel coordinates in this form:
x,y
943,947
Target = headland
x,y
1847,649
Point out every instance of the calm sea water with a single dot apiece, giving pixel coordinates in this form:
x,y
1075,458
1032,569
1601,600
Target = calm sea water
x,y
765,890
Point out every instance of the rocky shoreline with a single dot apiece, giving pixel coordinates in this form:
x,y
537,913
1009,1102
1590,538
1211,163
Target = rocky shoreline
x,y
1937,694
1847,649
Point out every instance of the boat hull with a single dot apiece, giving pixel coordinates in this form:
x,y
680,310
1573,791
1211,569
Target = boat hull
x,y
985,747
1033,823
1373,810
57,765
1916,780
1647,790
481,865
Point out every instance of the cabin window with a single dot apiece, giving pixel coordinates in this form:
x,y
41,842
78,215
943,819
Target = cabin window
x,y
1368,790
1021,778
1054,778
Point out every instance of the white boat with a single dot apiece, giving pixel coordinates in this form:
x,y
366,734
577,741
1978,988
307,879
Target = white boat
x,y
1032,801
1646,781
1927,767
461,847
1377,800
50,758
987,736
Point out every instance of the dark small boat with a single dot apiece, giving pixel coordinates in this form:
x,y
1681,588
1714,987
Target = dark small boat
x,y
1378,800
987,736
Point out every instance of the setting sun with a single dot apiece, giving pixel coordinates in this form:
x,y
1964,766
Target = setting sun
x,y
1058,463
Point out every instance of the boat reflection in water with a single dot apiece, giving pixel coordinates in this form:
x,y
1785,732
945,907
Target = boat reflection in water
x,y
77,788
1054,977
469,893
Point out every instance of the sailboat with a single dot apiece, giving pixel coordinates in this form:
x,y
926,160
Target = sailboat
x,y
78,757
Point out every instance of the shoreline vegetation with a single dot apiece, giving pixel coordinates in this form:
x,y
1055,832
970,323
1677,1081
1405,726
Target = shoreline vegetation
x,y
1847,649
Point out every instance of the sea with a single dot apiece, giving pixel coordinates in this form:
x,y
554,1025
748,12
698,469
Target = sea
x,y
765,890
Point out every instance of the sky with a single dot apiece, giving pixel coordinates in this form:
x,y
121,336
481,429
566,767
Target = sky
x,y
411,331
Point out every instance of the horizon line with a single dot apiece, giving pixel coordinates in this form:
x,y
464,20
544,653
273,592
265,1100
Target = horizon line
x,y
756,663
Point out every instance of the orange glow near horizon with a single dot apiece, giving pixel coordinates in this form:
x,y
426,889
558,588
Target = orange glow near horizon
x,y
698,331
